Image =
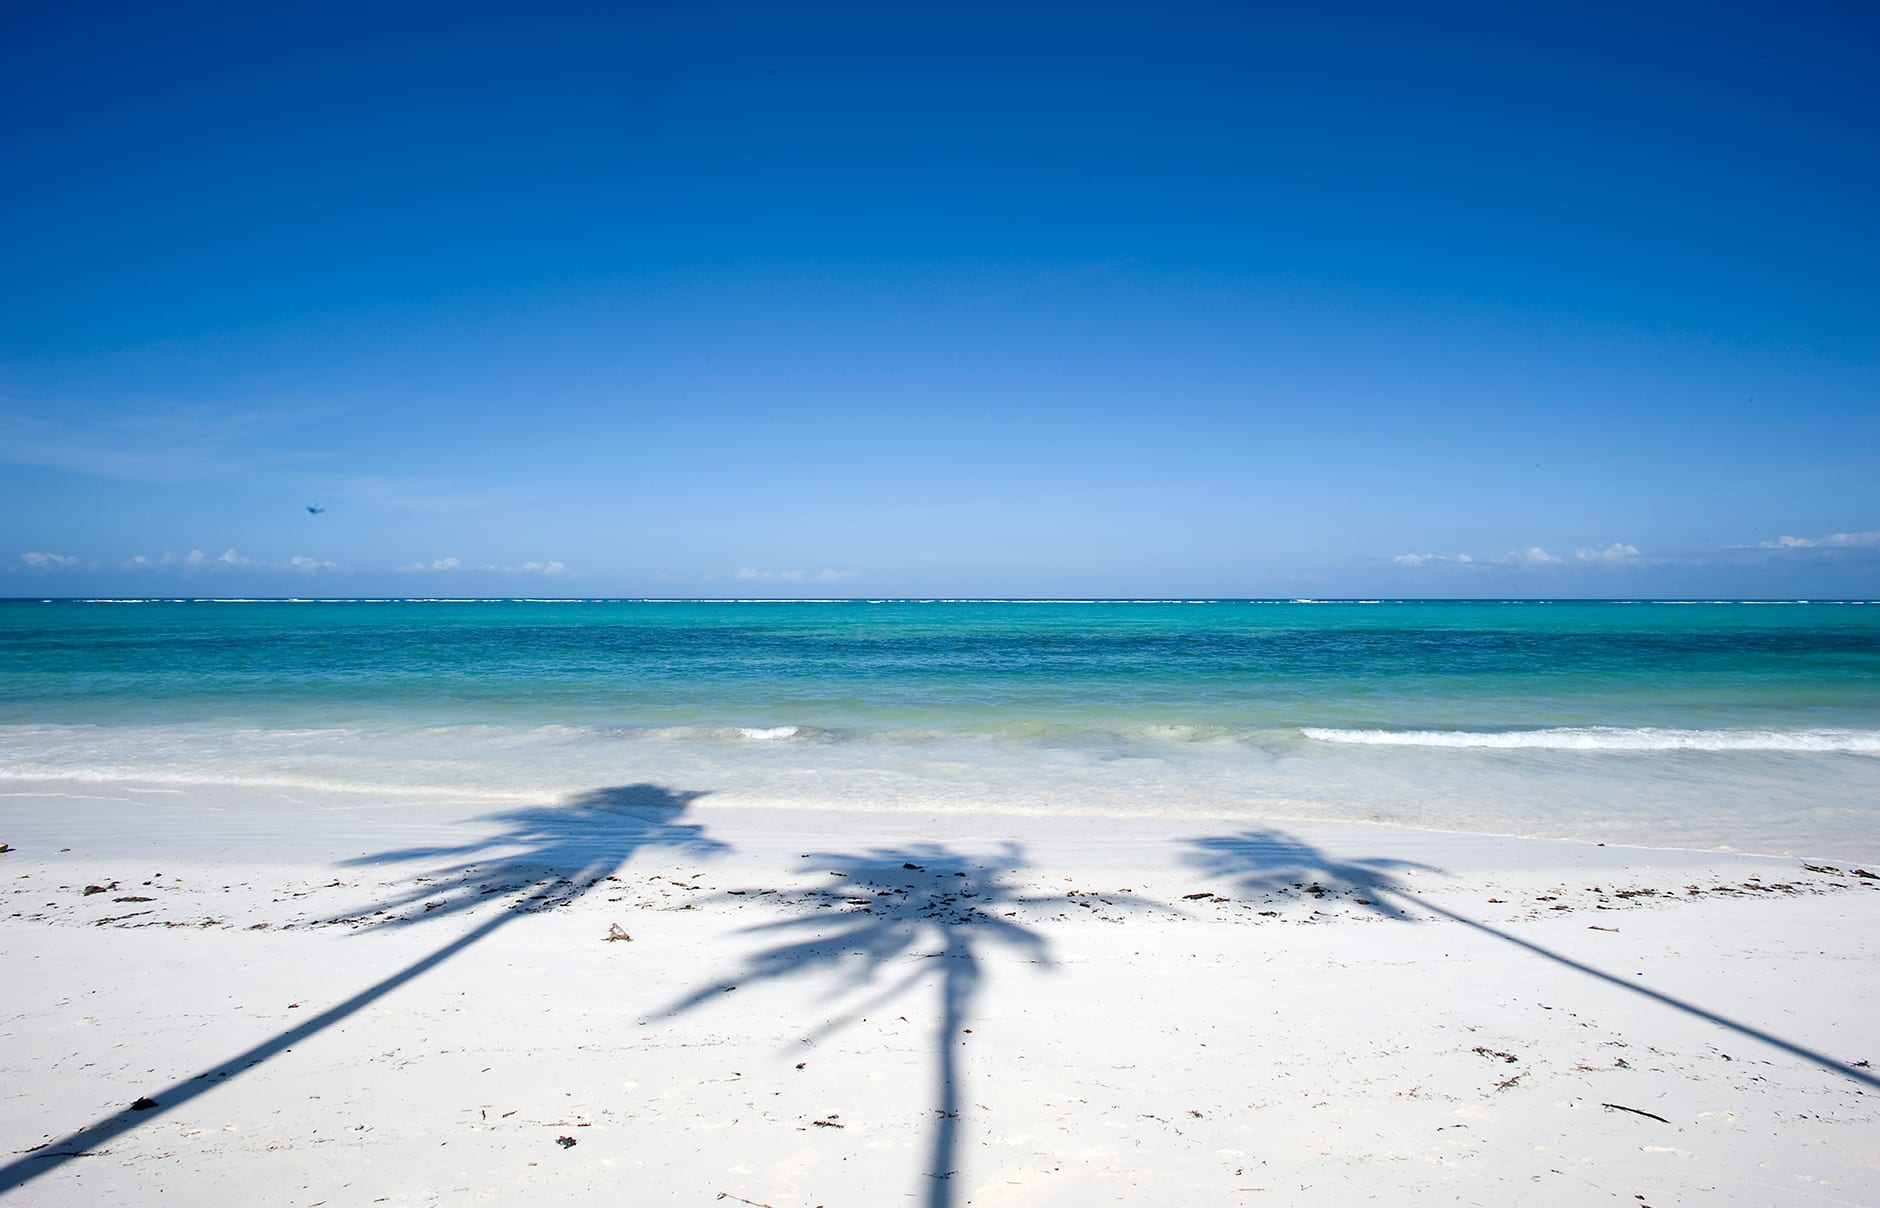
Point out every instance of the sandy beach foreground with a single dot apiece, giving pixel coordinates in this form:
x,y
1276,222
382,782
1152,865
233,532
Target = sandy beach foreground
x,y
645,995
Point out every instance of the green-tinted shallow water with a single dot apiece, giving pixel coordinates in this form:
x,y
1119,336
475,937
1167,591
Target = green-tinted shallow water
x,y
993,667
1749,724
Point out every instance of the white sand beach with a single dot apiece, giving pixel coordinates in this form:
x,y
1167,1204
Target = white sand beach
x,y
645,996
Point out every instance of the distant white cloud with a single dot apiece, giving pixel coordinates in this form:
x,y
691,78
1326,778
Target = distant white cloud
x,y
36,560
229,559
1831,541
751,574
1533,556
195,559
539,567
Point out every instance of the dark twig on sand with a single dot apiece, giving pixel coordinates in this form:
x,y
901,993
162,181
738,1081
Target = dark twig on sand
x,y
1620,1107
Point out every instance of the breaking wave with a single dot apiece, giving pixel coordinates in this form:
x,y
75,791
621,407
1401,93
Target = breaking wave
x,y
1614,738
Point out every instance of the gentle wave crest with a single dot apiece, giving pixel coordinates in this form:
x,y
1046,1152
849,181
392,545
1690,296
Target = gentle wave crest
x,y
1614,738
769,734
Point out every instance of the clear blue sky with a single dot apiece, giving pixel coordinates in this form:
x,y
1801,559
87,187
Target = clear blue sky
x,y
990,300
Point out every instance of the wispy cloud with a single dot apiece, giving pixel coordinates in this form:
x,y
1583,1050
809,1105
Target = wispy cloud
x,y
196,560
1831,541
545,567
156,444
1612,555
1433,559
753,575
37,560
174,443
1534,556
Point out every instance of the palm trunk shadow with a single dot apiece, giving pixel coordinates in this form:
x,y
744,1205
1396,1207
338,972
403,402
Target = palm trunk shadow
x,y
1742,1029
592,835
45,1158
896,902
959,984
1273,862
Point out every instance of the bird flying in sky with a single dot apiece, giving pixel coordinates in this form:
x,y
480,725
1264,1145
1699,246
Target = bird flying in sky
x,y
314,510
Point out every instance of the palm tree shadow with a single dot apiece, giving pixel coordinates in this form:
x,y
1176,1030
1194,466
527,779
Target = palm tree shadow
x,y
1273,861
897,906
559,851
563,851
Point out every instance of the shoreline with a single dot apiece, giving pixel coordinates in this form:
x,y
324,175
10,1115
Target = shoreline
x,y
1344,1010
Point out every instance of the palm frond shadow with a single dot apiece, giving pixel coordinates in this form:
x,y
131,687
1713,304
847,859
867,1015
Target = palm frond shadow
x,y
559,851
1273,863
568,847
895,906
1272,860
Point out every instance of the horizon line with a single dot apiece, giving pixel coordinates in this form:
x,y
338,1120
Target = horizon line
x,y
933,599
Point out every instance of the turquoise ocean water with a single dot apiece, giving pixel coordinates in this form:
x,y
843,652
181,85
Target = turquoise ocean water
x,y
1751,725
